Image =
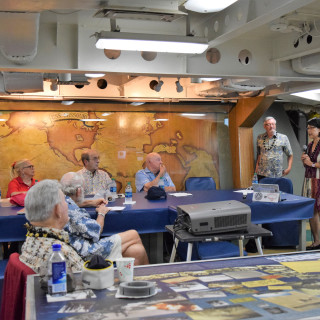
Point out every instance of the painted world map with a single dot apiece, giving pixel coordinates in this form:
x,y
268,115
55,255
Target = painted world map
x,y
54,141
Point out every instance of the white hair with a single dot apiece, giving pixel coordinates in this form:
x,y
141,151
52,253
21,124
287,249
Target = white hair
x,y
41,200
70,183
269,118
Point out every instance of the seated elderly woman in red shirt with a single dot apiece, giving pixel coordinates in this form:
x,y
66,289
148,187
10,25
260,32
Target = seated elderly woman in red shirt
x,y
22,172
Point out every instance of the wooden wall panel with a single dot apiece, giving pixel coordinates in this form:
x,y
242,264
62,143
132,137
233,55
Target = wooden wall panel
x,y
241,120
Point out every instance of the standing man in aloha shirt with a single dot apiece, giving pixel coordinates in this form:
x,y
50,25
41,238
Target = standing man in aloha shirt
x,y
270,148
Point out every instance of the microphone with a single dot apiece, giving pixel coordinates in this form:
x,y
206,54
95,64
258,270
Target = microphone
x,y
305,148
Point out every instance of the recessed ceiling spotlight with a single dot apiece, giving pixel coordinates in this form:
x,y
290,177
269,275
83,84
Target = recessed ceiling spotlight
x,y
179,87
158,86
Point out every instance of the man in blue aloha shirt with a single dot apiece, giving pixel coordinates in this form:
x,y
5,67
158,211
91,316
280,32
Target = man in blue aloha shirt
x,y
270,148
150,176
84,232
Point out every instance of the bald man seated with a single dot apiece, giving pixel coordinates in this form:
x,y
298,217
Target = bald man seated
x,y
150,176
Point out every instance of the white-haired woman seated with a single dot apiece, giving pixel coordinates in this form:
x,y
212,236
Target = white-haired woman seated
x,y
47,212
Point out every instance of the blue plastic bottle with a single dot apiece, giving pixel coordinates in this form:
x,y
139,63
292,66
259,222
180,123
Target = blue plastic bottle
x,y
128,193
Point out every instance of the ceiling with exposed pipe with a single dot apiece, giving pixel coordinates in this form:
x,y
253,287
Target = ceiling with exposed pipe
x,y
256,48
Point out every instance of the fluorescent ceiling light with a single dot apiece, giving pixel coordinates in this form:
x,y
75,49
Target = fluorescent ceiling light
x,y
105,114
193,114
86,120
67,102
137,103
310,94
161,120
94,75
150,42
3,120
210,79
205,6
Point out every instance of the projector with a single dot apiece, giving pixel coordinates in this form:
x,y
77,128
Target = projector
x,y
214,217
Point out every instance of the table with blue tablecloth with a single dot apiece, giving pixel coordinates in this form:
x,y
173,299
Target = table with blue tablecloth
x,y
151,216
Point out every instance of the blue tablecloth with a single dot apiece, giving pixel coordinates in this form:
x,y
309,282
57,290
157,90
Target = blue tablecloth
x,y
152,216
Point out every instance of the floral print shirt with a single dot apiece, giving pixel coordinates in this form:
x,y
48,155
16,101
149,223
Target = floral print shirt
x,y
84,233
95,182
271,154
36,251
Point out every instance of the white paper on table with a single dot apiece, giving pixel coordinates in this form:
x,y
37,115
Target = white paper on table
x,y
116,208
180,194
131,202
75,295
244,190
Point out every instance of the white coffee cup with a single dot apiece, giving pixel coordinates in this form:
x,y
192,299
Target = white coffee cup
x,y
125,267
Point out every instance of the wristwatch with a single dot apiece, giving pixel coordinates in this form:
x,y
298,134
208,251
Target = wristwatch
x,y
313,165
101,214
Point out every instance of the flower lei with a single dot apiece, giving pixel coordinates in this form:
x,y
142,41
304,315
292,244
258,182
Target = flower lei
x,y
38,232
272,145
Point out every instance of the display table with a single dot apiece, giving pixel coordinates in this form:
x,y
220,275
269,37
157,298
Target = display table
x,y
252,232
279,287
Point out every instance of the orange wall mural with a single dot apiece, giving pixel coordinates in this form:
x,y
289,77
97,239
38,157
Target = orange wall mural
x,y
54,141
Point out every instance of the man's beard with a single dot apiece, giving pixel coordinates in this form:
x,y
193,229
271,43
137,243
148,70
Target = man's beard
x,y
272,132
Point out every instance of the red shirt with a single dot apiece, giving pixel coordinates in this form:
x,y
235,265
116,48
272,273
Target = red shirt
x,y
17,185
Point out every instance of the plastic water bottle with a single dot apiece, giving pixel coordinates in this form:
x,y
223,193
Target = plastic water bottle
x,y
161,183
113,189
57,272
255,178
128,193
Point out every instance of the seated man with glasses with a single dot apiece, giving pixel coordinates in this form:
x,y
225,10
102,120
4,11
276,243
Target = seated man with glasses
x,y
95,180
22,173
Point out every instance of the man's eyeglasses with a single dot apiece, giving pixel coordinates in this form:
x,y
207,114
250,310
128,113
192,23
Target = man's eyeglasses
x,y
311,127
29,167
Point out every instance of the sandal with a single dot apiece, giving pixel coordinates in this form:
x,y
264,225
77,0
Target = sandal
x,y
313,247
